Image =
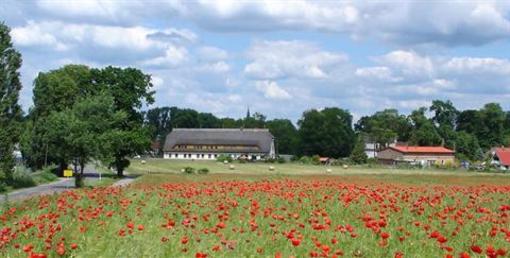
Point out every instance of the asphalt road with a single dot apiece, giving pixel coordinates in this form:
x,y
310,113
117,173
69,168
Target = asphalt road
x,y
63,184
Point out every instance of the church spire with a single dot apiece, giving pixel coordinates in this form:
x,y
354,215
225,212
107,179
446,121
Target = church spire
x,y
248,112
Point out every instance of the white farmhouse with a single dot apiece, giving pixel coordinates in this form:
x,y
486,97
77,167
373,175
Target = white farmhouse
x,y
208,144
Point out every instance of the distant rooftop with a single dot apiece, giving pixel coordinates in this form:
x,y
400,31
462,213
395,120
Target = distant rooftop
x,y
423,149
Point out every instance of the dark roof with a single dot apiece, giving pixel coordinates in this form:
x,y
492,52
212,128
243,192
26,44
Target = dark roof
x,y
260,138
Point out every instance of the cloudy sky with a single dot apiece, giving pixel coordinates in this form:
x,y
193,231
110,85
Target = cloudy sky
x,y
278,57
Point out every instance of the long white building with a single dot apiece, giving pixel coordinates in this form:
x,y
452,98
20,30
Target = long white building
x,y
208,144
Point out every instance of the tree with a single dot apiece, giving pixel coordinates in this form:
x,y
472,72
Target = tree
x,y
184,118
327,132
444,113
54,91
257,120
486,124
10,111
285,134
358,154
228,123
159,121
130,89
208,120
84,132
424,133
445,118
384,127
467,147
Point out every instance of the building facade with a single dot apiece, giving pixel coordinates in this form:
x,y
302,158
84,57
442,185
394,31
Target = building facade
x,y
209,144
416,155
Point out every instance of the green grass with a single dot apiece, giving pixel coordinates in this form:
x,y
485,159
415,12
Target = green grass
x,y
158,166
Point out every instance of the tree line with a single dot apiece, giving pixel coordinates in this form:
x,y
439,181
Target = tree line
x,y
81,114
330,131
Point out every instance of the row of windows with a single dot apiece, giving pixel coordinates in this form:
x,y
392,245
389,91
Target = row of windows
x,y
198,155
214,147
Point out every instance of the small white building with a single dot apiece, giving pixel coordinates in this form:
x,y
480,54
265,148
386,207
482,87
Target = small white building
x,y
209,144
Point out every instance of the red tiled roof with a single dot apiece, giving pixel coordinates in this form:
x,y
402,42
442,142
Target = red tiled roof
x,y
423,149
504,156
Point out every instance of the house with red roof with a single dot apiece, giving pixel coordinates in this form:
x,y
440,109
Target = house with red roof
x,y
501,158
423,155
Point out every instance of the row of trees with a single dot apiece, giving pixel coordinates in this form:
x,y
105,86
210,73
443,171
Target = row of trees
x,y
326,132
469,132
330,132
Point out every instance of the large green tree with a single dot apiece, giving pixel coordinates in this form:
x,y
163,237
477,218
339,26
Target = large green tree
x,y
486,124
54,91
131,90
424,132
327,132
384,127
84,131
445,118
286,135
10,111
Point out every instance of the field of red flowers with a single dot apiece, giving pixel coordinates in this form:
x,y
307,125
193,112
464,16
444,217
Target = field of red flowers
x,y
323,217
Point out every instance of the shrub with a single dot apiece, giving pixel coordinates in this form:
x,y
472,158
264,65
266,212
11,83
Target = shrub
x,y
281,160
22,178
203,171
189,170
3,187
315,160
224,157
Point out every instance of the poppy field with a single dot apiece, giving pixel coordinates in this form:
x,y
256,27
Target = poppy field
x,y
263,217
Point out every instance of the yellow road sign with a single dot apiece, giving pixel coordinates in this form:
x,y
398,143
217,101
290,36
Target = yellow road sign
x,y
68,173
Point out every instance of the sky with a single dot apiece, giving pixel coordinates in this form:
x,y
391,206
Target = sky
x,y
280,58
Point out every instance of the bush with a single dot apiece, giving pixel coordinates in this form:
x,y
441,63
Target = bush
x,y
281,160
188,170
22,178
223,158
3,187
203,171
315,160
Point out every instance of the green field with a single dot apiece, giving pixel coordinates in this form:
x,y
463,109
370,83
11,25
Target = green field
x,y
165,169
250,211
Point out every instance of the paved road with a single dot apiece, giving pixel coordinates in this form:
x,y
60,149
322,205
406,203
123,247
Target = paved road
x,y
63,184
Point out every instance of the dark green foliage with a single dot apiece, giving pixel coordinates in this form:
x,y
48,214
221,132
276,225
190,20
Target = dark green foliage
x,y
384,127
203,171
467,147
313,160
189,170
424,132
358,155
326,133
286,135
10,111
223,158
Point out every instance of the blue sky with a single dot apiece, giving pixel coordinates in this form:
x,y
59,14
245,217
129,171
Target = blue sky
x,y
278,57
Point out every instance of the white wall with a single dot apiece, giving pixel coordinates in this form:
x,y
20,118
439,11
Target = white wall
x,y
202,155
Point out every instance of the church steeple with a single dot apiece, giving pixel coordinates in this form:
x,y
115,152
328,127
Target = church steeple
x,y
248,113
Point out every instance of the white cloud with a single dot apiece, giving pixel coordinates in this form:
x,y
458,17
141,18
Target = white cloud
x,y
272,90
280,59
210,53
377,72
